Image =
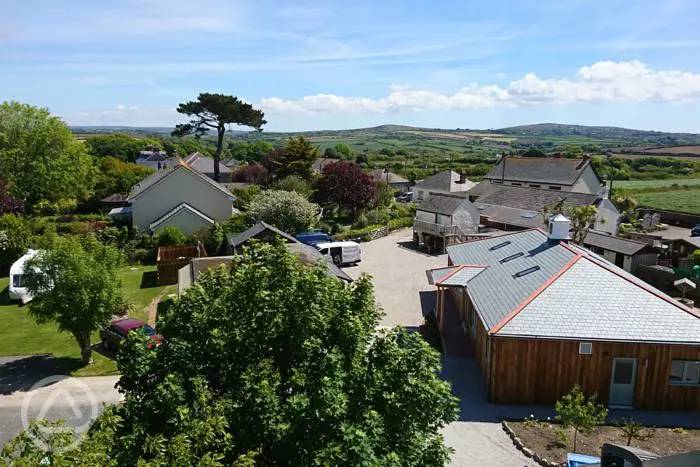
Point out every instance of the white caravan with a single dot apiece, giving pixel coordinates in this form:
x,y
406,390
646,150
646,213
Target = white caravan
x,y
17,287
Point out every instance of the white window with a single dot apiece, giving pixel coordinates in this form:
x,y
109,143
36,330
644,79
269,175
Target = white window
x,y
685,372
585,348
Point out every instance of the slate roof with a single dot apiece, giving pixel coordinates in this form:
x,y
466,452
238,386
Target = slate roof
x,y
434,275
532,199
307,253
511,216
378,175
461,276
152,156
442,181
536,288
176,210
155,177
235,240
441,203
204,164
588,301
557,171
620,245
495,292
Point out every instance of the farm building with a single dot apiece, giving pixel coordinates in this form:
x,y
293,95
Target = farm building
x,y
559,174
179,196
540,315
445,182
442,220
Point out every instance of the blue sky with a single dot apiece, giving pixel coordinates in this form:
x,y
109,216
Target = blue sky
x,y
329,65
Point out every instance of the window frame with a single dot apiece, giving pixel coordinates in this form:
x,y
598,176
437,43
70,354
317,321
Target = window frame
x,y
684,381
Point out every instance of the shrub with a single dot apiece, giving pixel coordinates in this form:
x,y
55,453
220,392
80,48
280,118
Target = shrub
x,y
581,413
15,238
294,183
171,236
287,210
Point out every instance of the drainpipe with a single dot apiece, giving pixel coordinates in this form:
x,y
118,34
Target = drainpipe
x,y
503,170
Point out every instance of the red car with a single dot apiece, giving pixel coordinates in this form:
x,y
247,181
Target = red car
x,y
117,331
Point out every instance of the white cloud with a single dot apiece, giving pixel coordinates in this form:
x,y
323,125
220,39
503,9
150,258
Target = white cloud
x,y
603,81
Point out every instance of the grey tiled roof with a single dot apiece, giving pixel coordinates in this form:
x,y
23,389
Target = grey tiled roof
x,y
589,301
441,203
442,181
540,169
496,291
532,199
463,276
204,164
155,177
235,240
307,253
177,209
434,275
511,216
617,244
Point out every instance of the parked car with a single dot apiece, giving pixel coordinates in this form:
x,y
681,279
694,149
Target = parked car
x,y
406,197
17,289
116,332
695,231
341,252
312,237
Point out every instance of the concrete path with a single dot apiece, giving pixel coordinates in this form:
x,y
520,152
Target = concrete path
x,y
398,274
78,401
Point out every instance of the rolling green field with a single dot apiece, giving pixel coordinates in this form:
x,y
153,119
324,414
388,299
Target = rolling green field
x,y
678,200
21,335
641,184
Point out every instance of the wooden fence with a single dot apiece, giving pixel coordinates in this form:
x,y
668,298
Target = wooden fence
x,y
173,258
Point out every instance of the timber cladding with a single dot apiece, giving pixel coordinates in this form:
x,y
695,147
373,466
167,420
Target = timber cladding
x,y
539,371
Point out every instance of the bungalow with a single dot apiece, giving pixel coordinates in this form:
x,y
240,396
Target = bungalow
x,y
541,315
397,182
622,252
445,182
559,174
515,207
179,196
154,158
442,220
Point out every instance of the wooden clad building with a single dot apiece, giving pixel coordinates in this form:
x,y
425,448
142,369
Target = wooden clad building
x,y
541,315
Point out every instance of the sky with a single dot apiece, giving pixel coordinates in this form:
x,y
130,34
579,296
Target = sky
x,y
353,64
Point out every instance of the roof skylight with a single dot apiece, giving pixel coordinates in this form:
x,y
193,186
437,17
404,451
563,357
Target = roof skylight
x,y
527,271
512,257
500,245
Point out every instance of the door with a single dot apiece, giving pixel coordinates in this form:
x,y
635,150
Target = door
x,y
624,374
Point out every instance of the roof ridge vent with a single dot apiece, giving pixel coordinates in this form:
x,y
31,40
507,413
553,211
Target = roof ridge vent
x,y
512,257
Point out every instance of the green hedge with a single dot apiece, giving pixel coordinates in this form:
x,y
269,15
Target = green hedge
x,y
363,233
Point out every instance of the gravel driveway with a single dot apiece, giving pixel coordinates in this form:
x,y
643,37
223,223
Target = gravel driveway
x,y
402,290
398,274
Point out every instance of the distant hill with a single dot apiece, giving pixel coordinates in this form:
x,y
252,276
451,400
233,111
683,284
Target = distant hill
x,y
598,132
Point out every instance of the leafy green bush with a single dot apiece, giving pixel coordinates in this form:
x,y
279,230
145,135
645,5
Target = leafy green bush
x,y
171,236
294,183
15,238
286,210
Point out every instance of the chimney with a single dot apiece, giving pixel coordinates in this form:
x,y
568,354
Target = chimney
x,y
559,227
462,177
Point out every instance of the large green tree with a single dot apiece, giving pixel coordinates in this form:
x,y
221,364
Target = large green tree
x,y
117,176
295,158
216,112
75,284
40,159
120,145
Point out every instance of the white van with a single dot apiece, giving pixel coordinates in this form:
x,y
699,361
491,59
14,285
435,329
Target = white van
x,y
341,252
17,287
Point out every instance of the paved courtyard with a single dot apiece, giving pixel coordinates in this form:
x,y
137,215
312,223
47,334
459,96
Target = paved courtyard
x,y
402,289
398,274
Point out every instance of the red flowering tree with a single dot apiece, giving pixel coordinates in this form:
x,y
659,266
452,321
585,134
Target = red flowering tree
x,y
8,203
346,184
251,173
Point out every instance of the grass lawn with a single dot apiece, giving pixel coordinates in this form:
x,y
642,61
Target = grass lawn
x,y
640,184
678,200
20,335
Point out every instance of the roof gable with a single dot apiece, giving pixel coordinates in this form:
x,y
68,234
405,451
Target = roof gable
x,y
181,209
154,179
443,181
559,171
